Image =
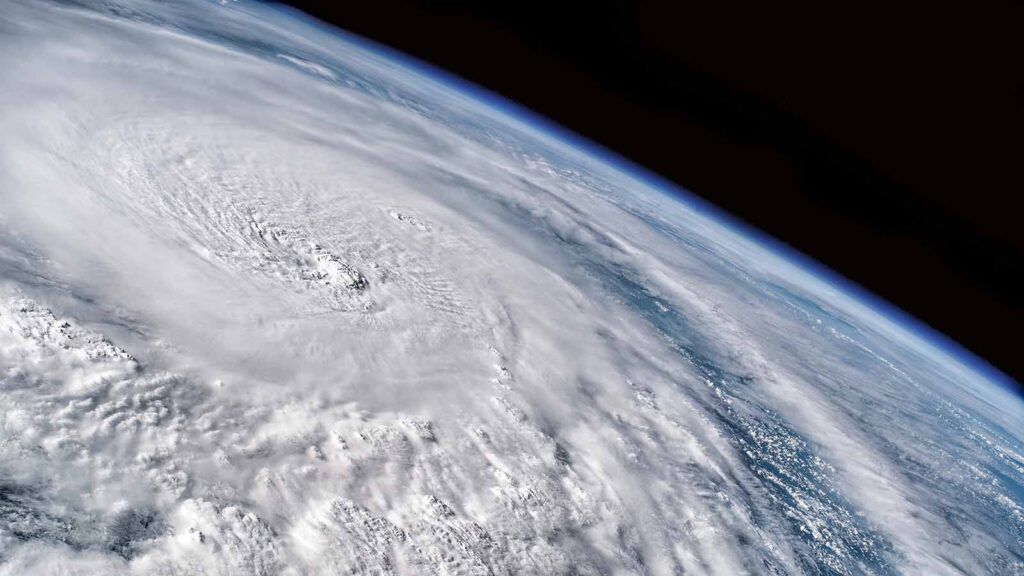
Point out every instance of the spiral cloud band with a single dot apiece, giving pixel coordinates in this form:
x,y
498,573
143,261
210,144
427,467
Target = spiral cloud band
x,y
275,301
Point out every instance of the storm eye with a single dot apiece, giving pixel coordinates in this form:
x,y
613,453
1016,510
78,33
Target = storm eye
x,y
131,529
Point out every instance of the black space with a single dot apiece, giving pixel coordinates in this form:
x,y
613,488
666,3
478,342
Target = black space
x,y
882,139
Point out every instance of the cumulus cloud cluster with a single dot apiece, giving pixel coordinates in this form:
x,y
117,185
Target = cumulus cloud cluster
x,y
272,302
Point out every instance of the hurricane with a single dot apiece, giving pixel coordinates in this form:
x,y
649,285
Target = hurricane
x,y
275,300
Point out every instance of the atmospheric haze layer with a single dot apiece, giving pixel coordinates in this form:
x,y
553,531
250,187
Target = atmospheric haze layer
x,y
276,302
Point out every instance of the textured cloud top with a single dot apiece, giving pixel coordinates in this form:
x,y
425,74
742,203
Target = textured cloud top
x,y
274,303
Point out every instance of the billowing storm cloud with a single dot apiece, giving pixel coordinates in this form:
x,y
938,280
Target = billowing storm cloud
x,y
274,302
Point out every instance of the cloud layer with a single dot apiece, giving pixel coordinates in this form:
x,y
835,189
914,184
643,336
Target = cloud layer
x,y
273,303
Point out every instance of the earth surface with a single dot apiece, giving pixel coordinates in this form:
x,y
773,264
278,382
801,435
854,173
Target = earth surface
x,y
275,301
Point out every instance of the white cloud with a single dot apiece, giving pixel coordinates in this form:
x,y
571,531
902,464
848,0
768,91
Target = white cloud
x,y
260,321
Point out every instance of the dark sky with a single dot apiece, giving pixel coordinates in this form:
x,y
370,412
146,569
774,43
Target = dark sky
x,y
882,139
